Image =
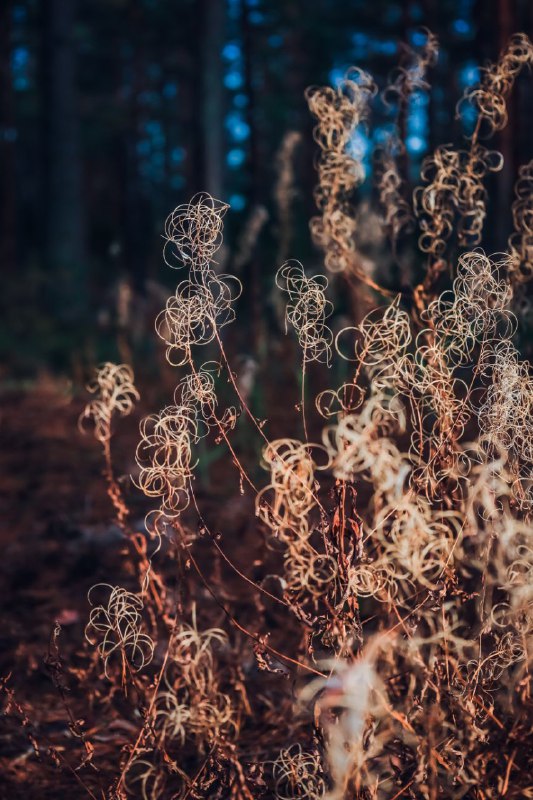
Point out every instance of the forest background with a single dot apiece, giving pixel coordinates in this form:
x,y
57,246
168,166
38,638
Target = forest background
x,y
112,112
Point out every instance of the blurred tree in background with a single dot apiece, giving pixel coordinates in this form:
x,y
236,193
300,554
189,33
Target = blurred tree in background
x,y
115,111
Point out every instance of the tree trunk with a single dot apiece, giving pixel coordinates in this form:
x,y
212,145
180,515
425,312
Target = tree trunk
x,y
137,210
63,207
252,273
212,96
8,131
507,144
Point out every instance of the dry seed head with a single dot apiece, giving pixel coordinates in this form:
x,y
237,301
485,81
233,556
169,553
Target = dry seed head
x,y
358,445
249,237
114,392
190,648
202,304
412,74
307,310
454,193
308,574
490,96
197,390
193,232
190,704
339,112
145,779
195,312
290,494
298,774
115,627
521,240
165,457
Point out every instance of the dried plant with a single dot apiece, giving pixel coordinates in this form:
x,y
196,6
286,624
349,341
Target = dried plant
x,y
115,393
292,472
115,627
307,310
412,72
249,237
164,455
203,303
521,240
454,199
193,233
368,634
191,704
399,217
390,158
339,112
298,774
489,97
195,312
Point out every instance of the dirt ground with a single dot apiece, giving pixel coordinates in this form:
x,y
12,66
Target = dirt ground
x,y
58,539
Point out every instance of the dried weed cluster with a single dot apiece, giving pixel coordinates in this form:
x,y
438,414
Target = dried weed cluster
x,y
338,113
376,640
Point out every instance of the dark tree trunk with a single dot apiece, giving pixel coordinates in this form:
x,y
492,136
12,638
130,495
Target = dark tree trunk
x,y
506,28
212,96
8,183
136,211
250,89
189,119
63,206
253,269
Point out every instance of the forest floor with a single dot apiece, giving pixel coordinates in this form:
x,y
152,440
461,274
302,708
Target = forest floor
x,y
58,539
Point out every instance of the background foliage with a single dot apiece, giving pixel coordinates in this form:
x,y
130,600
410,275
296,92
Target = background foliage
x,y
115,111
